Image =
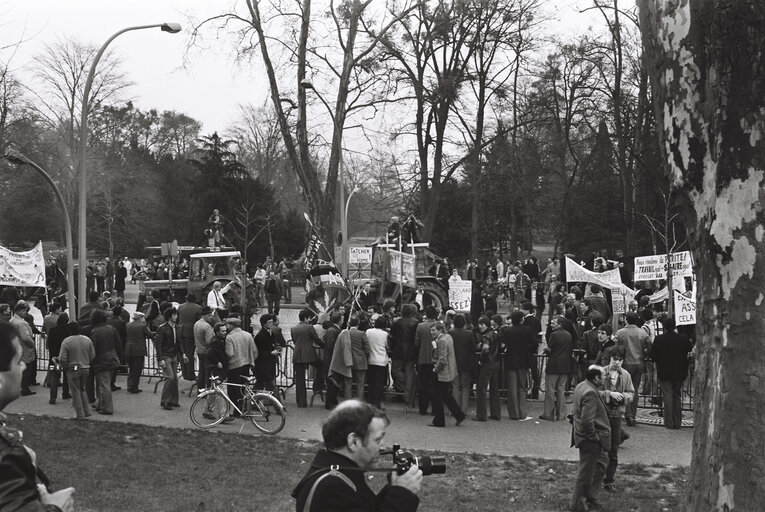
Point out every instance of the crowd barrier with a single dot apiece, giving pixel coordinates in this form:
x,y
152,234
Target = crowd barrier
x,y
649,396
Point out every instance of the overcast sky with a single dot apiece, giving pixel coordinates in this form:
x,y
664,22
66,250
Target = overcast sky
x,y
209,87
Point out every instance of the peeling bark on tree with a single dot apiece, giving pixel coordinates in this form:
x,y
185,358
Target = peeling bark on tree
x,y
707,68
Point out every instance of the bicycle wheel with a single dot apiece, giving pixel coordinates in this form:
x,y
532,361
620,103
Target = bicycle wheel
x,y
209,409
267,413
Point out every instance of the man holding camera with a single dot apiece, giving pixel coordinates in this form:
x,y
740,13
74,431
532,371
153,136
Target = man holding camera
x,y
353,435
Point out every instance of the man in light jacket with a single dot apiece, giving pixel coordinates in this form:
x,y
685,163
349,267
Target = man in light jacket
x,y
592,436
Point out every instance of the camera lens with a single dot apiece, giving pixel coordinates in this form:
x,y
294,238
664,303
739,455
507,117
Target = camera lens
x,y
432,465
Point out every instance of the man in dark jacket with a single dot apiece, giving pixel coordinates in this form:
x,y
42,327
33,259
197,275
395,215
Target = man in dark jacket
x,y
670,352
105,340
422,342
331,332
403,353
521,345
188,314
305,337
268,354
19,489
592,435
532,321
169,351
464,353
559,351
353,435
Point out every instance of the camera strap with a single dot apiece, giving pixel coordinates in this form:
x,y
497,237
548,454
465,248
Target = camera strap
x,y
334,470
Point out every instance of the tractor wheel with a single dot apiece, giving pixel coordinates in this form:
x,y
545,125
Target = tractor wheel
x,y
438,296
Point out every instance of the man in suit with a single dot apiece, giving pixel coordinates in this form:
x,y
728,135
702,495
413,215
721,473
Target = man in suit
x,y
440,271
403,353
670,351
366,298
360,354
521,345
188,314
532,321
424,347
331,332
592,436
304,337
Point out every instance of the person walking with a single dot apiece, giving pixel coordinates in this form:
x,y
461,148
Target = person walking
x,y
670,351
591,434
136,334
56,336
488,372
617,393
77,353
559,352
444,372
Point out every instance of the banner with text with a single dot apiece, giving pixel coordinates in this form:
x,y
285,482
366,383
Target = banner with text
x,y
575,273
685,309
402,263
359,262
460,293
649,268
22,268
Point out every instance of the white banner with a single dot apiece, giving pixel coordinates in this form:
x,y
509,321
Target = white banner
x,y
360,255
575,273
24,268
460,293
649,268
685,309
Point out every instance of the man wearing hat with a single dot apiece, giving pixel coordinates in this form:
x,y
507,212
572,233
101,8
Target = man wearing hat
x,y
203,335
136,334
241,353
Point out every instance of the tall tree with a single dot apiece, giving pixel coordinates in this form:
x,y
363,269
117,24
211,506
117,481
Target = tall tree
x,y
706,59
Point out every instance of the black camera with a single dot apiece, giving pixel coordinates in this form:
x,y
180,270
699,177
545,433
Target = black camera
x,y
403,460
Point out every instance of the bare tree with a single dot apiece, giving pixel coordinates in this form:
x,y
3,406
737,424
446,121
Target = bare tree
x,y
705,61
353,75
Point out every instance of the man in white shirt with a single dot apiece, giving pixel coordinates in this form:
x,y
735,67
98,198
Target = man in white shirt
x,y
217,302
500,270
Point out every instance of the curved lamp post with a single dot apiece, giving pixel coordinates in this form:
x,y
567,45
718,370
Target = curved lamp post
x,y
17,157
172,28
307,84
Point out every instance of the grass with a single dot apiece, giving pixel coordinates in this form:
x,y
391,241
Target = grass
x,y
119,466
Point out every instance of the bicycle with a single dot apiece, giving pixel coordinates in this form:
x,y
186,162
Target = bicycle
x,y
212,406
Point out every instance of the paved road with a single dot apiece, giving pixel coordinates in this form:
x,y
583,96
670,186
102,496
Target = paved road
x,y
533,438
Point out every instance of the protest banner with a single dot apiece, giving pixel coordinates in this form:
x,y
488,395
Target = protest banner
x,y
22,268
650,268
460,293
685,309
399,262
618,306
359,262
575,273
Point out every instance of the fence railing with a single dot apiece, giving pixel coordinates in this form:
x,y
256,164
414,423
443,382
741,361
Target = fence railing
x,y
649,396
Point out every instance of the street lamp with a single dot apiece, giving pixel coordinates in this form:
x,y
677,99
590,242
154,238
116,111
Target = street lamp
x,y
172,28
307,84
18,158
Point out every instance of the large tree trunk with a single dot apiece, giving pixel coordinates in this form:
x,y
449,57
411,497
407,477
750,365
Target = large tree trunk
x,y
706,63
